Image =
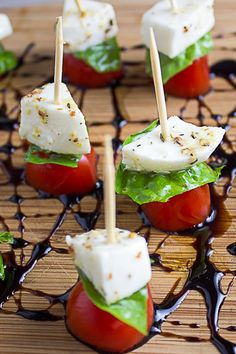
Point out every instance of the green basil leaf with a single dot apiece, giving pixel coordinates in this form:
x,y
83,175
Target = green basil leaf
x,y
139,135
144,187
8,60
131,310
172,66
38,156
103,57
6,237
2,269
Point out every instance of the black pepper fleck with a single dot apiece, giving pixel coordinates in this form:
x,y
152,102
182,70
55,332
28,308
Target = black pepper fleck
x,y
185,29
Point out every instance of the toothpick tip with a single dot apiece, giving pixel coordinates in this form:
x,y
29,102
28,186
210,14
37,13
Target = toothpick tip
x,y
58,19
151,32
58,60
109,190
108,138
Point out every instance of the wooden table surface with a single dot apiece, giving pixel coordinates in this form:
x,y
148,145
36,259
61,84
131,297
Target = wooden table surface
x,y
55,273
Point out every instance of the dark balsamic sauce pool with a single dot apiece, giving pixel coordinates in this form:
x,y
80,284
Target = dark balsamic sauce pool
x,y
203,275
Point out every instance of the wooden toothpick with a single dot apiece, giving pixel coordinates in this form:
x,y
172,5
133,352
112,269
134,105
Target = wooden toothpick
x,y
109,191
58,61
80,8
174,6
158,84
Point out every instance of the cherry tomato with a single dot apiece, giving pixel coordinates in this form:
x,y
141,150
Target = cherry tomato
x,y
99,328
57,179
180,212
80,73
191,82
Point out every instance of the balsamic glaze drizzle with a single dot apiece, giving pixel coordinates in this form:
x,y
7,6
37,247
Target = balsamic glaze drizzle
x,y
232,249
203,276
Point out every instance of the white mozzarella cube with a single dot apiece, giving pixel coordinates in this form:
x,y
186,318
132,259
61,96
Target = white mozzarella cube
x,y
96,25
5,26
116,270
175,32
188,145
56,127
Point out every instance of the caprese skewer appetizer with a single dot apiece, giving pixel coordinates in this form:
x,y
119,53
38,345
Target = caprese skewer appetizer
x,y
8,60
59,159
163,167
111,307
92,57
182,30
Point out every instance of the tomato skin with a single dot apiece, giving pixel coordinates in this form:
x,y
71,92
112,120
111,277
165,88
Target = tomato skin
x,y
99,328
80,73
57,179
191,82
180,212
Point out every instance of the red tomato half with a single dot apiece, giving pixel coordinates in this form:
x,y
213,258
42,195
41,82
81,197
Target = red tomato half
x,y
56,179
180,212
98,328
80,73
191,82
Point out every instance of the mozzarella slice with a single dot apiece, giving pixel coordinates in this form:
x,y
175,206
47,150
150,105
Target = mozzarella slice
x,y
188,145
116,270
5,26
96,25
56,127
177,31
